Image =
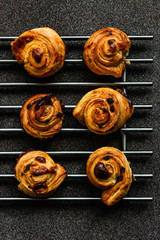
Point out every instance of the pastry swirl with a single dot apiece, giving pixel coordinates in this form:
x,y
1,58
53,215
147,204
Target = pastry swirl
x,y
105,51
41,50
41,116
108,169
103,110
38,174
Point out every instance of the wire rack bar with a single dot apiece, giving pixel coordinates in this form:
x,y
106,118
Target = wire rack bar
x,y
124,137
73,199
61,153
86,37
80,84
80,130
12,38
80,60
146,175
142,106
146,106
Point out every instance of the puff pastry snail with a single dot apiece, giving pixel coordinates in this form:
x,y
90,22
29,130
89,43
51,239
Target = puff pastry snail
x,y
41,50
109,170
103,110
105,51
41,116
38,174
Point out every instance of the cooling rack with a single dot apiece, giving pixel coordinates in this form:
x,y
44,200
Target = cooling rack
x,y
125,129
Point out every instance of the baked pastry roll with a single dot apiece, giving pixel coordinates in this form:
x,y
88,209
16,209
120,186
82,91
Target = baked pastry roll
x,y
41,116
41,50
105,51
38,174
108,169
103,110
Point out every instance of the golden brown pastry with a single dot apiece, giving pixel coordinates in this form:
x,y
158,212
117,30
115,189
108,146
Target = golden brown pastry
x,y
41,116
103,110
108,169
38,174
105,51
41,50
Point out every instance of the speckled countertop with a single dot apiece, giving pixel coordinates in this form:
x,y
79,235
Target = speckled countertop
x,y
82,220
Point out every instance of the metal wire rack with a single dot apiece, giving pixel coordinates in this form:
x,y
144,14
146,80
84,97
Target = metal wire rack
x,y
122,83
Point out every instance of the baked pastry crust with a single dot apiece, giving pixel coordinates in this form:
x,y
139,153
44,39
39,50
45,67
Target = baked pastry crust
x,y
41,116
41,50
108,169
38,174
103,110
105,51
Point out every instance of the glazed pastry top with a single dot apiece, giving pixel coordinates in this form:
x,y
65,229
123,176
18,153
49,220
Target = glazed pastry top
x,y
108,169
103,110
38,174
41,116
105,51
41,50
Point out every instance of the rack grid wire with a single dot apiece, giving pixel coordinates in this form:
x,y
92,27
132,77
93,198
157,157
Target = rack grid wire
x,y
124,130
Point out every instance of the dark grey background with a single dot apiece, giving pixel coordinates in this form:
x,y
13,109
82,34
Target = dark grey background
x,y
82,220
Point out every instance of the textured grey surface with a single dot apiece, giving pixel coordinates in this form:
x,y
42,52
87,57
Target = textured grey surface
x,y
82,220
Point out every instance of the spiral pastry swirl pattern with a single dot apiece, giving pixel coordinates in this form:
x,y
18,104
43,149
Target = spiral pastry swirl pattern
x,y
41,50
108,169
105,51
103,110
38,174
41,116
